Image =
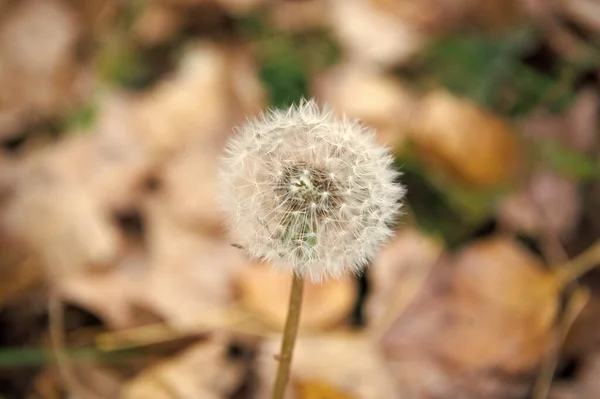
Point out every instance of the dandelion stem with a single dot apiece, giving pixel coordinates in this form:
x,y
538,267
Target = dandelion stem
x,y
289,337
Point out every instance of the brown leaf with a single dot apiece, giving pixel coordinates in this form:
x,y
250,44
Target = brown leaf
x,y
38,70
483,324
319,390
466,141
584,13
371,36
348,364
384,103
188,189
265,291
585,384
550,203
156,24
398,274
575,129
183,274
54,214
197,103
298,16
438,17
204,371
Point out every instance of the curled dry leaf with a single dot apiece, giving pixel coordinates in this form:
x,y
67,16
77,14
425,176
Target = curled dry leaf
x,y
397,276
371,36
265,291
480,328
466,141
204,371
384,103
348,364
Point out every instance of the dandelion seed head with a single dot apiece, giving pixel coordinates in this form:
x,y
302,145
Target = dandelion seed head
x,y
309,191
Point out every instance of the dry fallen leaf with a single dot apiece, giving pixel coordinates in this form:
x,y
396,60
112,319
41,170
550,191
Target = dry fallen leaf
x,y
214,87
348,364
157,23
265,292
466,141
372,37
55,216
183,275
585,383
550,204
576,128
582,13
581,353
384,103
189,273
398,274
438,17
480,328
298,16
38,73
205,371
188,188
319,390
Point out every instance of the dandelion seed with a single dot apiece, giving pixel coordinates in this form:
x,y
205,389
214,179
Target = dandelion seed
x,y
324,193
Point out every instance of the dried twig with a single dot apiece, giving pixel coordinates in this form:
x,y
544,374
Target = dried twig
x,y
57,340
229,319
576,303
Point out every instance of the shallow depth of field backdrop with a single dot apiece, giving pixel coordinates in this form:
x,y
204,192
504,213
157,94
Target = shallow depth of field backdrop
x,y
117,281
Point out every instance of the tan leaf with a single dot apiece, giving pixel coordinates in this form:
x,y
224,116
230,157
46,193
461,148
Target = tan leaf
x,y
204,371
265,291
214,76
38,70
349,365
398,275
372,36
485,319
549,204
183,275
188,187
384,103
56,216
298,16
319,390
466,141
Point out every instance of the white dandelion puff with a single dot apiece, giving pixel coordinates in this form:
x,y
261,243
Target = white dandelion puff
x,y
308,191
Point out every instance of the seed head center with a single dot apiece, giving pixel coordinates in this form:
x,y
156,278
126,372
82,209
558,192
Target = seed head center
x,y
307,189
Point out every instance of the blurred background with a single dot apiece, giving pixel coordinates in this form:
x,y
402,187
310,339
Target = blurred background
x,y
116,277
